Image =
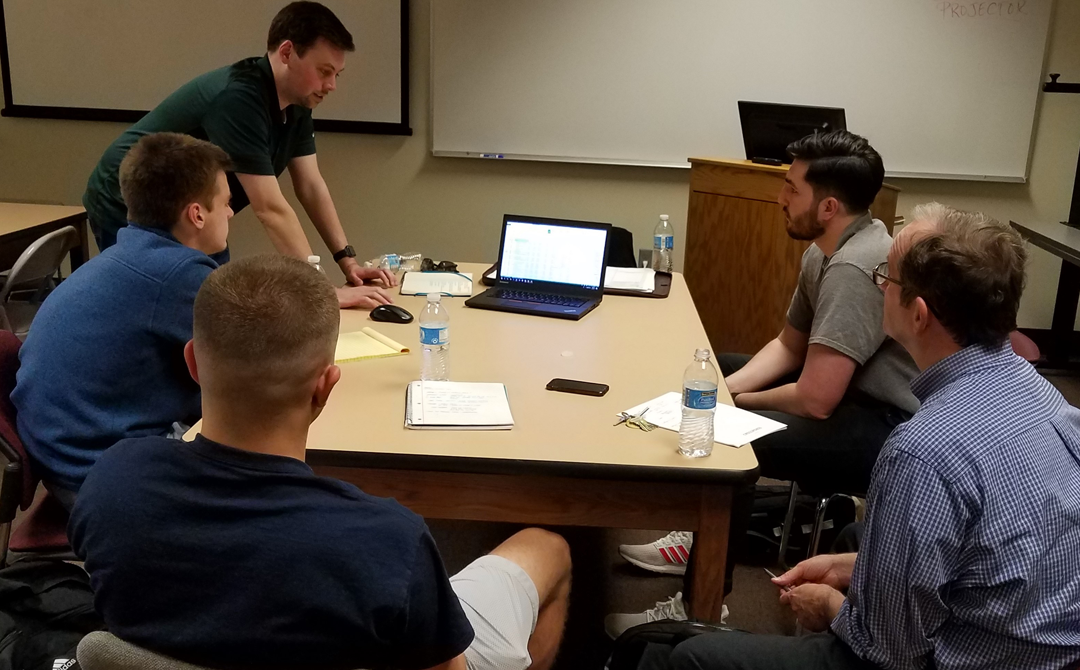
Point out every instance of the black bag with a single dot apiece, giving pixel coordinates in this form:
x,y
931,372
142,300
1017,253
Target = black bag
x,y
762,544
647,646
46,607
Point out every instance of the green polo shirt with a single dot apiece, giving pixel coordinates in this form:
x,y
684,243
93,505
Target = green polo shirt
x,y
235,107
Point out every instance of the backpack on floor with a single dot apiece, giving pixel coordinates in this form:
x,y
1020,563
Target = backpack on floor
x,y
46,607
762,543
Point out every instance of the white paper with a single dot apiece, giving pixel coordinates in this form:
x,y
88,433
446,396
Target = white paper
x,y
731,425
450,283
459,404
631,279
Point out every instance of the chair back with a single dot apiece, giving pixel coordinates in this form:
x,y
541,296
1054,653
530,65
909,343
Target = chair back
x,y
40,261
10,445
620,248
104,651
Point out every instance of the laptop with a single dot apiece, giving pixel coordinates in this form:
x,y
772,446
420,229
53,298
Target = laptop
x,y
548,267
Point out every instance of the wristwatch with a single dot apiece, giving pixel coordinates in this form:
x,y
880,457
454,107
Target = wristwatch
x,y
347,252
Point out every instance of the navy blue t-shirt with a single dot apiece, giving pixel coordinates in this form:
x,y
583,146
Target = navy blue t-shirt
x,y
224,557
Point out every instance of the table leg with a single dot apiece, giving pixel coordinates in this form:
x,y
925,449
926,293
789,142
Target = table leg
x,y
1068,292
81,253
710,554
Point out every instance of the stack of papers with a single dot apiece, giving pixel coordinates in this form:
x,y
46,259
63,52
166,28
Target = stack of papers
x,y
457,406
364,344
630,279
731,425
447,283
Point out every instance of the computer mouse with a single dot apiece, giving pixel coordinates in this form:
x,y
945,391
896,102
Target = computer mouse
x,y
391,314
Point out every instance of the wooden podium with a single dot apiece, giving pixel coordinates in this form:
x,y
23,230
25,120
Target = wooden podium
x,y
740,265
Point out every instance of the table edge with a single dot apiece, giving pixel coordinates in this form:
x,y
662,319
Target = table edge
x,y
520,467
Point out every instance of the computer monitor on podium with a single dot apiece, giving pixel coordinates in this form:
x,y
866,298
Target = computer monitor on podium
x,y
768,128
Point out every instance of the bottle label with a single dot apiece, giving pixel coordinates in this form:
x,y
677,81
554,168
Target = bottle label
x,y
664,242
434,336
697,399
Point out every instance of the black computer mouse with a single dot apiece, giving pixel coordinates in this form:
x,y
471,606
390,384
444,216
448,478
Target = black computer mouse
x,y
391,313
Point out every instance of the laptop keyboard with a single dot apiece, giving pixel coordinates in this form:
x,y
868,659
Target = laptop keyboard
x,y
543,298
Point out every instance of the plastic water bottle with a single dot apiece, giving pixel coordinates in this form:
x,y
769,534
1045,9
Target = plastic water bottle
x,y
313,261
435,340
698,406
663,246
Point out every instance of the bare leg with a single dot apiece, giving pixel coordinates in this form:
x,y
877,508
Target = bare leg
x,y
545,557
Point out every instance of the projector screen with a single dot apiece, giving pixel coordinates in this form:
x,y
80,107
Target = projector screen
x,y
114,60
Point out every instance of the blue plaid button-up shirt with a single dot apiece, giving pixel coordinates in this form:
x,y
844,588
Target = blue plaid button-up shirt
x,y
971,557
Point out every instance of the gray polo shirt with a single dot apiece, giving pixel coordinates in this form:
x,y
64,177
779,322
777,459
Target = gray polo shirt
x,y
839,305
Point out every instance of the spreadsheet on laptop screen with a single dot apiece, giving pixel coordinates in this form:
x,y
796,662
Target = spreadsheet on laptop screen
x,y
552,253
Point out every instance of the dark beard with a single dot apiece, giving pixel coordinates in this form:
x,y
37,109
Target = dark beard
x,y
806,228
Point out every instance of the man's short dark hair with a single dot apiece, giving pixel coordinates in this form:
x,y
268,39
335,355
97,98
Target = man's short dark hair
x,y
303,24
165,172
969,270
265,323
842,165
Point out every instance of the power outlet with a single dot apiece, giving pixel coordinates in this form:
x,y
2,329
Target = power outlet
x,y
644,258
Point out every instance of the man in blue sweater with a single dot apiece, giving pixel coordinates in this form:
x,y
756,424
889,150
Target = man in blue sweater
x,y
104,359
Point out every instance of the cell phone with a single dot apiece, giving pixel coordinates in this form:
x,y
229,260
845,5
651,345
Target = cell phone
x,y
574,386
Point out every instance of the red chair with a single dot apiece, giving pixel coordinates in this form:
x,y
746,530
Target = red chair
x,y
44,528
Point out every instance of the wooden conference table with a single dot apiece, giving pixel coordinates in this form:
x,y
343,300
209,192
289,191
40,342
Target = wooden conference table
x,y
564,463
22,223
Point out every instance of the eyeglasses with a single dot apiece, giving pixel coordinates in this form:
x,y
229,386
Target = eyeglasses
x,y
881,275
428,265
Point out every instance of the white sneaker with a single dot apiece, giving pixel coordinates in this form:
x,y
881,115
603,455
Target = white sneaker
x,y
672,608
669,554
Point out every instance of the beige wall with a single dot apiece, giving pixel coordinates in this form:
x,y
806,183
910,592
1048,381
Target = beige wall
x,y
394,196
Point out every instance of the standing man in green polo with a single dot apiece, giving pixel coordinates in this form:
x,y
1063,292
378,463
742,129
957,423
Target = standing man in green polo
x,y
259,111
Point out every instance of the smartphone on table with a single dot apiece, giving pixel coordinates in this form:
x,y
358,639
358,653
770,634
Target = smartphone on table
x,y
574,386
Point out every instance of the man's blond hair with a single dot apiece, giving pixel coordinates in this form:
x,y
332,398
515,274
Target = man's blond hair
x,y
264,327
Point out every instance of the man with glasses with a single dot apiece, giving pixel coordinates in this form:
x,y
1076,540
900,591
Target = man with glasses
x,y
970,554
831,375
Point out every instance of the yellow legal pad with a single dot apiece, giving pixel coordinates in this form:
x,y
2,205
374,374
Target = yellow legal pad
x,y
364,344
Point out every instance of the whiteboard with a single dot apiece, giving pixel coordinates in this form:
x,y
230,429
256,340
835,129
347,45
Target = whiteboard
x,y
941,89
114,59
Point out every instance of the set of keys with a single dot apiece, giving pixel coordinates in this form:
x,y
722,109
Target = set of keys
x,y
636,420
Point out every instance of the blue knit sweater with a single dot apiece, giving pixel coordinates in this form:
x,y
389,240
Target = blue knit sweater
x,y
104,359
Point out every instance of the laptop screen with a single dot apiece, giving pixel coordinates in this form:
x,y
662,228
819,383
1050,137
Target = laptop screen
x,y
548,252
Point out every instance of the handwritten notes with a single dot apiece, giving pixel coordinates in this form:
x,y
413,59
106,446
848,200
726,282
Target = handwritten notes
x,y
457,406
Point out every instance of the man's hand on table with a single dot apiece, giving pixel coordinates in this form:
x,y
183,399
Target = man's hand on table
x,y
358,276
364,297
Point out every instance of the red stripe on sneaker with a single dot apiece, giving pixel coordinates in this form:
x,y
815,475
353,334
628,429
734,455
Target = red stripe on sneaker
x,y
685,555
669,555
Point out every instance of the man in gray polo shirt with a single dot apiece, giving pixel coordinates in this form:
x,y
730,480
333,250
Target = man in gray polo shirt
x,y
831,375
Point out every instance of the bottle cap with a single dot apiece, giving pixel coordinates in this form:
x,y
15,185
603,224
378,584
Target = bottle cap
x,y
434,297
312,259
663,217
702,354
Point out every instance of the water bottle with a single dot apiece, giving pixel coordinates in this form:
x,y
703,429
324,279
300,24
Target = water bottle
x,y
698,406
313,261
435,340
663,246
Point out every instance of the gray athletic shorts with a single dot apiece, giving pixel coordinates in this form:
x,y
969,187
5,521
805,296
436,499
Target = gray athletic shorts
x,y
500,601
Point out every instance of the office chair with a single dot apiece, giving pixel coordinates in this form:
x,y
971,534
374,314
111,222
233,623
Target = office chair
x,y
101,650
44,529
34,269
